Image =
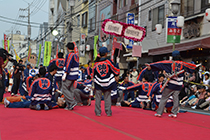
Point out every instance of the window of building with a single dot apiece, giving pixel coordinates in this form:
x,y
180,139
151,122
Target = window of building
x,y
158,16
78,20
84,20
125,2
187,7
204,5
92,24
150,15
121,3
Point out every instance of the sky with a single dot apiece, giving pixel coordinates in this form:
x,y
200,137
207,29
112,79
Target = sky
x,y
10,9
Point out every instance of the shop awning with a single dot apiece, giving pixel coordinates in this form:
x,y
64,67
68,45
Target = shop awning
x,y
203,42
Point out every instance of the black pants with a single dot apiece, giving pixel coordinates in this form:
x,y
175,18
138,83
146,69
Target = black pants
x,y
15,87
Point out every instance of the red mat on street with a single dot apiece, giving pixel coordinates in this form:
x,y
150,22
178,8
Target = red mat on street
x,y
126,123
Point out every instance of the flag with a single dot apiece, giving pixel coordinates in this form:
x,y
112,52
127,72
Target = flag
x,y
16,55
40,51
47,53
29,53
76,49
5,42
136,50
95,47
8,43
113,49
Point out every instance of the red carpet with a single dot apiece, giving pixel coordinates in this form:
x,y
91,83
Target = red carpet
x,y
126,123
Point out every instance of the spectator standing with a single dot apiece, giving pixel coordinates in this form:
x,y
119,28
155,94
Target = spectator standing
x,y
18,73
2,77
134,74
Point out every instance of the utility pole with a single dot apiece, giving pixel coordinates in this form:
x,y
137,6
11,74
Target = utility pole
x,y
29,26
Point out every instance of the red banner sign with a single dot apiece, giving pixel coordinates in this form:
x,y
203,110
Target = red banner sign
x,y
5,42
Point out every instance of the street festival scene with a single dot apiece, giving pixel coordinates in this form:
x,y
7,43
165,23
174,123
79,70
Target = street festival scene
x,y
104,69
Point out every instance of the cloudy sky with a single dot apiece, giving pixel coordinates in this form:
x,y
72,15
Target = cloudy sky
x,y
9,14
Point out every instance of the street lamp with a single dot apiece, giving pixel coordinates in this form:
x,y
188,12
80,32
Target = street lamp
x,y
54,32
175,6
180,19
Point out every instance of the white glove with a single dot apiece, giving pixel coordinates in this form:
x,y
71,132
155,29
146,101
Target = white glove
x,y
64,77
118,59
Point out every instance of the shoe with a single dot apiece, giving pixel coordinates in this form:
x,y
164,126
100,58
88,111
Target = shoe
x,y
66,108
6,102
193,107
172,115
38,107
99,115
46,107
72,107
79,104
12,94
157,115
109,115
89,102
118,104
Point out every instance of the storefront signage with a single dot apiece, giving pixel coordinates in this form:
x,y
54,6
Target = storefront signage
x,y
128,31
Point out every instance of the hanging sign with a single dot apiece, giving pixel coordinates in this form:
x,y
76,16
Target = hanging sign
x,y
129,31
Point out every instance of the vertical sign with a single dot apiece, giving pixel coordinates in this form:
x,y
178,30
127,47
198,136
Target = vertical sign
x,y
113,50
130,20
40,51
5,42
82,45
47,53
173,32
95,46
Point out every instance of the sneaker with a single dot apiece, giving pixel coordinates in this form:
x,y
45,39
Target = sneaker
x,y
46,107
6,102
38,107
99,115
12,94
118,104
157,115
89,102
172,115
72,107
66,108
193,107
109,115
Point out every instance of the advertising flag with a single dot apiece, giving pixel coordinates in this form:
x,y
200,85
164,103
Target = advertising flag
x,y
5,42
95,47
47,53
40,51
